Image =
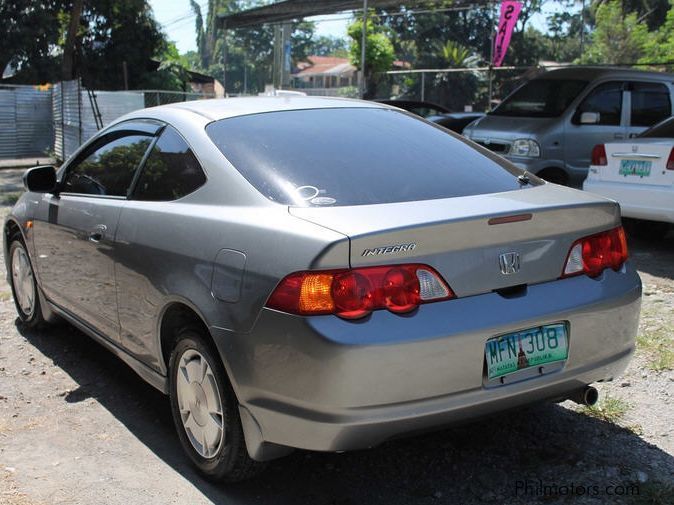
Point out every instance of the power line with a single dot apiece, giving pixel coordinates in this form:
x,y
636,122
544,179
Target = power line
x,y
183,17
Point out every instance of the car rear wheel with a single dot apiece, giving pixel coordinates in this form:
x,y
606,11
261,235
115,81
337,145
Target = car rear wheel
x,y
205,411
24,287
554,175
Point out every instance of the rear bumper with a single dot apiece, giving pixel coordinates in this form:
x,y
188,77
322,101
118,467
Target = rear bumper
x,y
638,201
327,384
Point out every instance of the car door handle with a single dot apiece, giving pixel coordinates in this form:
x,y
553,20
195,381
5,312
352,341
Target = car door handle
x,y
618,136
97,233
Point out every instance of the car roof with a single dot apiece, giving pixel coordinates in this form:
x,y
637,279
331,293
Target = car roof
x,y
221,108
591,73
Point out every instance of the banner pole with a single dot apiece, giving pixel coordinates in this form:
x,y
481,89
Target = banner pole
x,y
491,58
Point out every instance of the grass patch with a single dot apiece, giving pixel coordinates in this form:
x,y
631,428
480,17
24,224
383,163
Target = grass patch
x,y
10,198
637,429
5,295
658,345
607,409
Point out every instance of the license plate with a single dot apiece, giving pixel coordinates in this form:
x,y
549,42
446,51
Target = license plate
x,y
635,167
522,349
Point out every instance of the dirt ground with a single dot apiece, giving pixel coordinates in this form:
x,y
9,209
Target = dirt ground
x,y
79,427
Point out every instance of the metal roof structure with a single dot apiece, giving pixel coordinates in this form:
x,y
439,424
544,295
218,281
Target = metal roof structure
x,y
289,10
285,11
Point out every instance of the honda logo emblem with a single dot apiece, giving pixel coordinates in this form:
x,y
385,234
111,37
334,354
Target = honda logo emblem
x,y
510,263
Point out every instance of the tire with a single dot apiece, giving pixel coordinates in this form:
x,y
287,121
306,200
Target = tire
x,y
649,230
195,407
24,287
554,175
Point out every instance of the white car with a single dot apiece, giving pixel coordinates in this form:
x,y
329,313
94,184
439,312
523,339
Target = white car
x,y
639,174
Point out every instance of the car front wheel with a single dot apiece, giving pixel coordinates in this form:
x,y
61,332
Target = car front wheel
x,y
24,287
205,411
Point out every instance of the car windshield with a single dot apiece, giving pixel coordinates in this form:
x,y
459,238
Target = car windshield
x,y
662,130
355,156
540,98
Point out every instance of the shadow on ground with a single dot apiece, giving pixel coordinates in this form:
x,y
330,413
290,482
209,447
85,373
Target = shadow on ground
x,y
655,257
467,464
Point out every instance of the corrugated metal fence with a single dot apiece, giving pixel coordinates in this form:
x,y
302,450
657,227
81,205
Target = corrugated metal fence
x,y
25,121
39,120
75,110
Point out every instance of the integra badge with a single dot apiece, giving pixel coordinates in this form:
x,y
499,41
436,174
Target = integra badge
x,y
389,249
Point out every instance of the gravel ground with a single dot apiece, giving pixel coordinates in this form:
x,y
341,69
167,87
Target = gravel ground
x,y
79,427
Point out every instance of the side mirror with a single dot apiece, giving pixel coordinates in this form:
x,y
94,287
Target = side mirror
x,y
40,179
589,118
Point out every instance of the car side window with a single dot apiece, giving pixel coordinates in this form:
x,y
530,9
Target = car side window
x,y
171,170
107,170
606,100
650,103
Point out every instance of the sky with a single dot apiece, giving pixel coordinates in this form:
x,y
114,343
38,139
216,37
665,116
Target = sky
x,y
177,20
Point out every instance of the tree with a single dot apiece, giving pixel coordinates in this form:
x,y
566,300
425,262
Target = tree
x,y
29,36
659,44
379,53
250,50
45,41
328,46
618,37
114,32
69,46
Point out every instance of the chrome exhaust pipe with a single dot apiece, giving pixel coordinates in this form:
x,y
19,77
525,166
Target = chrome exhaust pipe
x,y
586,396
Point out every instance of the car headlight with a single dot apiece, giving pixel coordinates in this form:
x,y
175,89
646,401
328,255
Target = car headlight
x,y
525,147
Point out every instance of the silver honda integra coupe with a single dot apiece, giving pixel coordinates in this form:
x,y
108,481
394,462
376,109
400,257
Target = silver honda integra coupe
x,y
322,274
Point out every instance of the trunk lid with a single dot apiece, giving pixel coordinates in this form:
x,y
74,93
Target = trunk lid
x,y
637,161
455,236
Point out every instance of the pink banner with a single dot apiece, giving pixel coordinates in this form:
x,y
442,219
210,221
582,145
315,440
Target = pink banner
x,y
509,12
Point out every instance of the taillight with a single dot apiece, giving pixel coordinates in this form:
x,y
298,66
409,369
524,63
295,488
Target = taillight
x,y
592,255
599,155
670,160
354,293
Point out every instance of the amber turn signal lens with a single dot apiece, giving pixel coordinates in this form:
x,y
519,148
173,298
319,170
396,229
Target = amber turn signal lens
x,y
316,293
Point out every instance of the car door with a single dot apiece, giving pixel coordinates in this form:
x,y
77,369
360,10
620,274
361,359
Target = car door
x,y
649,103
158,246
75,228
607,101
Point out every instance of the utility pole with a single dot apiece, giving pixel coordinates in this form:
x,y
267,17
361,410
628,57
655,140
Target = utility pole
x,y
363,44
224,57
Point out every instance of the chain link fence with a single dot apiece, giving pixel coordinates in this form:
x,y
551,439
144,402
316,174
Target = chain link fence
x,y
466,88
456,89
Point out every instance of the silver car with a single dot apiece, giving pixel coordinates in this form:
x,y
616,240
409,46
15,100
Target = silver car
x,y
549,125
322,274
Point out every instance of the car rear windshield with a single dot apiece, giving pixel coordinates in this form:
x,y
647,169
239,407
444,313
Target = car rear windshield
x,y
663,130
541,98
355,156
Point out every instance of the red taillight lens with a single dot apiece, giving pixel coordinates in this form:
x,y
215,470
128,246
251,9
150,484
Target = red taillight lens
x,y
592,255
670,160
356,292
599,155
